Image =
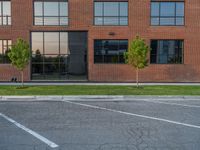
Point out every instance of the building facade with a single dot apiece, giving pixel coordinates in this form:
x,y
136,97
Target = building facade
x,y
86,39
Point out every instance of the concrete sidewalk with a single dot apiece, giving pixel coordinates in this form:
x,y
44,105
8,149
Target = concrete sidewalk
x,y
96,83
95,98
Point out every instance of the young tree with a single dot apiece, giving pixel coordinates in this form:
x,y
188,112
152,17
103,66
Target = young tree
x,y
136,56
19,55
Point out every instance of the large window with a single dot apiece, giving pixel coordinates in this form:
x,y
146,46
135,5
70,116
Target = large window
x,y
59,55
167,51
167,13
5,13
51,12
5,45
111,13
49,54
110,51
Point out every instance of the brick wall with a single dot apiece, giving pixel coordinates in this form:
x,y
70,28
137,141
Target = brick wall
x,y
81,19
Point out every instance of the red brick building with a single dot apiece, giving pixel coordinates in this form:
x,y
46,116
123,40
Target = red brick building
x,y
85,39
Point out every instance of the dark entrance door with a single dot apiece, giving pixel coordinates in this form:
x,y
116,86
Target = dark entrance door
x,y
59,55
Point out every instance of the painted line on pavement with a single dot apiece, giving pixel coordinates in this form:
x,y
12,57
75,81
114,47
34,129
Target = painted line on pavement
x,y
173,104
133,114
33,133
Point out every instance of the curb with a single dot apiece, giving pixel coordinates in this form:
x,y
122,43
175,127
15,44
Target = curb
x,y
95,98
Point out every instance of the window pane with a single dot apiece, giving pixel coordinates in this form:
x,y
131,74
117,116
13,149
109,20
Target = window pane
x,y
37,71
37,43
63,9
111,48
167,9
179,9
98,46
51,71
9,20
6,20
0,9
6,9
9,43
154,9
38,9
123,47
111,21
64,43
123,9
51,20
179,21
63,21
1,47
38,21
51,59
111,9
110,51
51,42
155,21
98,8
166,51
167,21
51,9
1,51
123,21
98,21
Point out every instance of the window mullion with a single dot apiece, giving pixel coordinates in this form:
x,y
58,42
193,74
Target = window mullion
x,y
43,13
119,13
59,13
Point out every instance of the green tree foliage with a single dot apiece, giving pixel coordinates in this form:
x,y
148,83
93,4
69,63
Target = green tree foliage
x,y
136,56
19,55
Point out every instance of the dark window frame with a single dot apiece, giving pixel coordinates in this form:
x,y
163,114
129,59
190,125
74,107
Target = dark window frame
x,y
175,17
43,17
103,56
7,17
182,52
103,16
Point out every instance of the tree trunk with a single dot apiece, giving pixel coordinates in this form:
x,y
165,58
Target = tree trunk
x,y
137,77
22,78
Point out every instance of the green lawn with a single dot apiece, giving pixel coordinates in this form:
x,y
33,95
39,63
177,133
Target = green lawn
x,y
100,90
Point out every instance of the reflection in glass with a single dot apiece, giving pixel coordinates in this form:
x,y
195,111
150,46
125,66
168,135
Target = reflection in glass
x,y
111,9
5,13
51,9
98,8
110,51
6,8
64,49
111,21
167,9
51,13
37,43
38,11
167,51
5,46
111,13
51,43
52,58
167,13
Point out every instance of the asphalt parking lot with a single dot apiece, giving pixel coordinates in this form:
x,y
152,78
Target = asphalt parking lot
x,y
100,125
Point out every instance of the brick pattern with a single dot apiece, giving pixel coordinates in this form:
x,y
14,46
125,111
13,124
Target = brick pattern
x,y
81,19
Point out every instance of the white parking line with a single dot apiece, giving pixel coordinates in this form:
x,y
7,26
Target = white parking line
x,y
33,133
169,103
133,114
